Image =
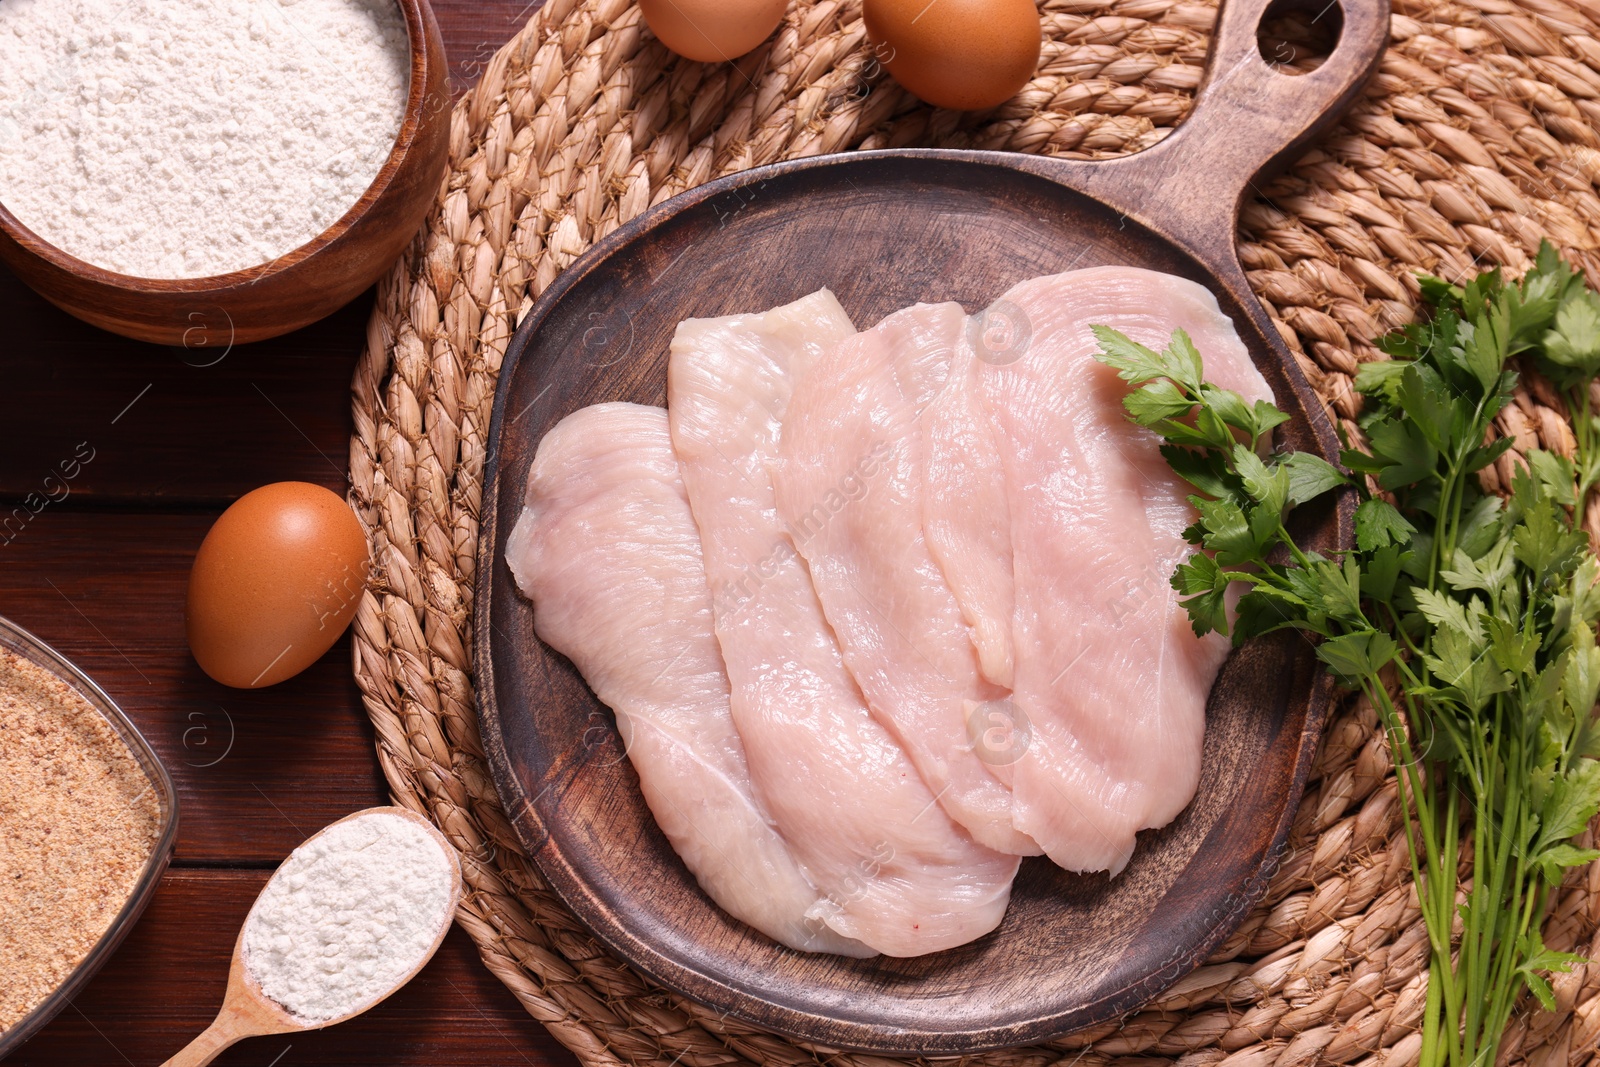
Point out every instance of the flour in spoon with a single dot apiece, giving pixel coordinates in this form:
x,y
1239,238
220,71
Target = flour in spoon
x,y
348,916
167,139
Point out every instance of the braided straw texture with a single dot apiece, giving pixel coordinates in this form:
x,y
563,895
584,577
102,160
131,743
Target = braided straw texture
x,y
1476,138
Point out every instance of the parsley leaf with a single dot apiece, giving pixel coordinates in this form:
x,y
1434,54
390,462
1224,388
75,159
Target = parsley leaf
x,y
1379,524
1136,363
1309,476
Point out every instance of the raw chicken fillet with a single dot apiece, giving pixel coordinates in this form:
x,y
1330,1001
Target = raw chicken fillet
x,y
897,874
1108,676
850,490
607,551
881,612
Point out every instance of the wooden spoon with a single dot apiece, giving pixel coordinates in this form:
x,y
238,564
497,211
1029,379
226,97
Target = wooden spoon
x,y
248,1012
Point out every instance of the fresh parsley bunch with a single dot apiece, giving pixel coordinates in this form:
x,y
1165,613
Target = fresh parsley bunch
x,y
1467,619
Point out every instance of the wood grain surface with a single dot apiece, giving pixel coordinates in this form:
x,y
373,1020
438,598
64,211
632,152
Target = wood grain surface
x,y
884,230
166,982
258,770
96,565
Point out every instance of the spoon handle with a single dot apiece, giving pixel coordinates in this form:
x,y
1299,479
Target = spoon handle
x,y
222,1033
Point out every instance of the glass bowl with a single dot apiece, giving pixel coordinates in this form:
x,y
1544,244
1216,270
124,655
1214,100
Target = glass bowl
x,y
24,644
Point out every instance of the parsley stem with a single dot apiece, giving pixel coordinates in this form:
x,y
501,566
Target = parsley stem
x,y
1432,1015
1581,414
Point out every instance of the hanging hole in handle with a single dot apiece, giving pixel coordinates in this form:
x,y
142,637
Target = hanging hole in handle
x,y
1297,36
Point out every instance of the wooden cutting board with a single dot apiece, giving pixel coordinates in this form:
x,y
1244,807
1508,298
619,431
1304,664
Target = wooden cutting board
x,y
884,230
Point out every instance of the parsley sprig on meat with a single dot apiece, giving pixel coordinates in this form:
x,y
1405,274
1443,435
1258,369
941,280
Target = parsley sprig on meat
x,y
1466,618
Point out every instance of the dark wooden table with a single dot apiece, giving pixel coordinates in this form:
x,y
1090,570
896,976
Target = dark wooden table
x,y
162,446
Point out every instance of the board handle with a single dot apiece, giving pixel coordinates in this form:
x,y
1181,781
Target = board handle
x,y
1248,119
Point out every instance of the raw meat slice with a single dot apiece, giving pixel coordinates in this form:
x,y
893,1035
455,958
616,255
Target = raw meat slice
x,y
897,874
1108,674
965,515
850,487
607,551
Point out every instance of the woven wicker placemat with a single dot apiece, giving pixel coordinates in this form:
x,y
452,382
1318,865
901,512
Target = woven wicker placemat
x,y
1476,138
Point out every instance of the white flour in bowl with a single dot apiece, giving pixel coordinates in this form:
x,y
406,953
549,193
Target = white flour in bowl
x,y
179,140
348,915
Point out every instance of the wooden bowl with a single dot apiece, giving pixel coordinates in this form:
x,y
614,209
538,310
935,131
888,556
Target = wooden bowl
x,y
884,230
295,289
1073,950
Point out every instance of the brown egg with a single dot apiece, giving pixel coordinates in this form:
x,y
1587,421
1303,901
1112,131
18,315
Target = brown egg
x,y
274,584
712,30
961,54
